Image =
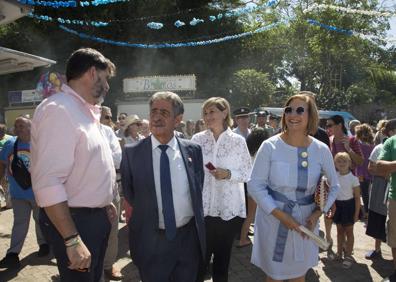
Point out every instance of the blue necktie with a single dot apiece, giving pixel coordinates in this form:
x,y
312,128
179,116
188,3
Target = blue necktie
x,y
166,194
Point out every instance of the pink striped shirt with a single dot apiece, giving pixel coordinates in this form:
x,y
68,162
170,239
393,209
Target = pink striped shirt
x,y
70,159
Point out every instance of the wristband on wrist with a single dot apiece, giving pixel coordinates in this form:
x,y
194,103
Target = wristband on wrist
x,y
73,242
70,237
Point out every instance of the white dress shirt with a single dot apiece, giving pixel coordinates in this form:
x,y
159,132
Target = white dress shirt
x,y
114,144
116,153
180,186
244,135
224,198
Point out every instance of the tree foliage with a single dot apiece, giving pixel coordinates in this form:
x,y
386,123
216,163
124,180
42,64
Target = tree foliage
x,y
261,70
332,64
251,88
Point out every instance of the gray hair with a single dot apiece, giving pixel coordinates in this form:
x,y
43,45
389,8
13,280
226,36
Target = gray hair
x,y
173,98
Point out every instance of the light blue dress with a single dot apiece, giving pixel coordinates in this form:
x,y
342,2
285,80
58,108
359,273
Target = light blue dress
x,y
286,177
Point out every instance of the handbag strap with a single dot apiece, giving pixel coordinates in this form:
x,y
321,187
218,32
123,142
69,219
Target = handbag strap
x,y
16,149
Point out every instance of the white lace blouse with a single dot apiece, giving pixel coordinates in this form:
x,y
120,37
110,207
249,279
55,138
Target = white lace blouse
x,y
224,198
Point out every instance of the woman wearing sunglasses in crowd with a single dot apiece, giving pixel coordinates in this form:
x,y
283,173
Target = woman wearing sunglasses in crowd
x,y
284,178
340,142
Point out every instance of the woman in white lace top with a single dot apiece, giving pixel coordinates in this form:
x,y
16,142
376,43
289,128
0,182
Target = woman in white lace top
x,y
223,193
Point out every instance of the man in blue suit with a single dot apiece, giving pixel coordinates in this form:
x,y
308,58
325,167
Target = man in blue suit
x,y
162,179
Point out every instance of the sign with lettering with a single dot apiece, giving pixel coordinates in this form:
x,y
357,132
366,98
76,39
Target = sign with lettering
x,y
159,83
23,96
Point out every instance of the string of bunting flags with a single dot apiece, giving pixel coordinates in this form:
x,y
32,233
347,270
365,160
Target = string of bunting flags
x,y
195,21
169,45
330,27
69,4
68,21
371,38
320,7
216,40
152,25
228,14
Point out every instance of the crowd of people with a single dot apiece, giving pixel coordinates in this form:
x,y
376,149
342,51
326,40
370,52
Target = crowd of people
x,y
187,190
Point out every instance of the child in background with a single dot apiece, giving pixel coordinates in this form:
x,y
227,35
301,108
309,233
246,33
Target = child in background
x,y
347,207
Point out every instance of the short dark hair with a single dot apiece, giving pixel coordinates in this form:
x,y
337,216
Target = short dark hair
x,y
337,119
390,125
255,138
83,59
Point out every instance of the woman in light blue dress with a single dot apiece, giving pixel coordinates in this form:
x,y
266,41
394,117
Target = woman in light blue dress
x,y
283,181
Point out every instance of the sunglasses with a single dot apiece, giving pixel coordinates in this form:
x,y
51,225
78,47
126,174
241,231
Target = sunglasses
x,y
299,110
107,117
330,125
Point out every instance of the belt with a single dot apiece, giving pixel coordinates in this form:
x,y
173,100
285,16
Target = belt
x,y
282,230
181,228
85,210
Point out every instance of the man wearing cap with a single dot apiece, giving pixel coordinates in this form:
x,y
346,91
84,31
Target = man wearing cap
x,y
273,124
242,119
262,119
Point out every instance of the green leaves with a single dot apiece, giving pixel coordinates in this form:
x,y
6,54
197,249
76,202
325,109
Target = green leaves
x,y
251,88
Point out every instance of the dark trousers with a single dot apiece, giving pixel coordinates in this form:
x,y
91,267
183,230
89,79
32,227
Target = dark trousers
x,y
176,260
220,236
94,228
364,188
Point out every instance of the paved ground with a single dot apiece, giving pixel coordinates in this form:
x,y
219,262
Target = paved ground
x,y
44,269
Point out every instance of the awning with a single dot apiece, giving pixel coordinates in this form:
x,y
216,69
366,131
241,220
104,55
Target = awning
x,y
11,60
11,10
15,61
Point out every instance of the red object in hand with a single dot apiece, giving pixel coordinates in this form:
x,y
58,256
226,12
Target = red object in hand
x,y
210,166
128,211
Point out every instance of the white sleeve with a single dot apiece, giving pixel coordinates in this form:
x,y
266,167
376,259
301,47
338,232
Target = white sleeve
x,y
243,163
375,153
115,149
355,181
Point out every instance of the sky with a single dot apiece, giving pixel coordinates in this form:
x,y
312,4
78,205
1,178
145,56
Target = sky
x,y
392,31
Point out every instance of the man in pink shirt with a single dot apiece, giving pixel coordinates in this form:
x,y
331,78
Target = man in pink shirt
x,y
72,168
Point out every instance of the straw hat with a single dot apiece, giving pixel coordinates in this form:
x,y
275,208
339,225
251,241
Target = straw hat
x,y
132,119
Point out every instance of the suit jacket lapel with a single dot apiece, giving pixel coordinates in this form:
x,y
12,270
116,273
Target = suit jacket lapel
x,y
147,168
